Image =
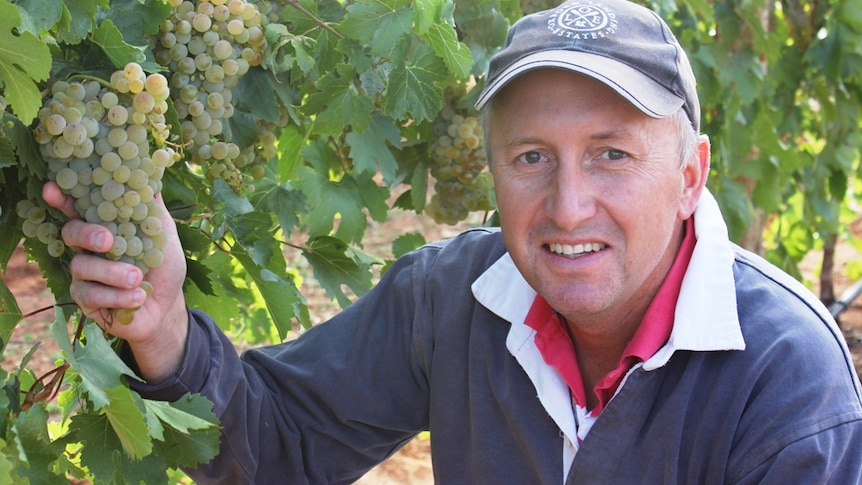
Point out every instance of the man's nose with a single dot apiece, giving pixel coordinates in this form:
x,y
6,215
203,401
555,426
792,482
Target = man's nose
x,y
571,197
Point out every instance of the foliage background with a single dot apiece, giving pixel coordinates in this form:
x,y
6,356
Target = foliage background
x,y
353,91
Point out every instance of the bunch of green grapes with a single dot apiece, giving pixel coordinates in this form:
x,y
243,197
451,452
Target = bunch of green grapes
x,y
106,147
461,183
207,46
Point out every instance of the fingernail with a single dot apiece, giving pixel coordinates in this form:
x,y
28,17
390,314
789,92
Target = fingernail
x,y
98,239
139,296
132,278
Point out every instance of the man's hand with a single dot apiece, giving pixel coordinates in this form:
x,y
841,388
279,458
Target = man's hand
x,y
99,286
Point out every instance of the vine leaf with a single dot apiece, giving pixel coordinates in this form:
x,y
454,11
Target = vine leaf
x,y
280,294
77,20
98,365
413,90
337,103
435,25
10,315
24,60
382,22
108,37
369,149
335,264
192,433
126,415
35,449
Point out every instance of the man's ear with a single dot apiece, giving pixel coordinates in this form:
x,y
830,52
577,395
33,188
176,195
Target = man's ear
x,y
694,174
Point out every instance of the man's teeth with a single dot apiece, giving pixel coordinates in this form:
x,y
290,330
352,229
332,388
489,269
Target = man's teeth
x,y
575,250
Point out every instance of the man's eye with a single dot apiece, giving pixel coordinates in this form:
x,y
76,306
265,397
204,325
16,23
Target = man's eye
x,y
531,157
614,155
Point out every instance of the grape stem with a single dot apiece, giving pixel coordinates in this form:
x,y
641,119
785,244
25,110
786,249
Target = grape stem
x,y
88,77
320,23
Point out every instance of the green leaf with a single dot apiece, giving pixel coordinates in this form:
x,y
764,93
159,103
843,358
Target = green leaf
x,y
284,50
100,443
10,315
192,432
125,412
24,60
290,146
108,37
435,25
37,450
334,265
77,21
337,104
214,298
329,200
281,201
369,149
190,413
383,22
407,242
98,365
413,92
137,20
280,294
39,15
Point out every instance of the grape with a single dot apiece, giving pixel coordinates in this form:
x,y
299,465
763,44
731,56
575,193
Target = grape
x,y
117,136
134,247
74,134
67,178
118,248
154,258
144,102
55,124
151,226
125,316
56,248
133,70
118,115
46,232
84,150
112,190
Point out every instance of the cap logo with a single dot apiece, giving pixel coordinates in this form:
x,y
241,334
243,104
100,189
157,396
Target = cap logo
x,y
585,20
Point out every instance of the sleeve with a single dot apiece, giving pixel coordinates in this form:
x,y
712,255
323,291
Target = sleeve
x,y
830,456
323,408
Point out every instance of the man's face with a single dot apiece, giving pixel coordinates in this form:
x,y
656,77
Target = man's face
x,y
591,195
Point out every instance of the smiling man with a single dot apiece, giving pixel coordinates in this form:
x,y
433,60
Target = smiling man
x,y
608,332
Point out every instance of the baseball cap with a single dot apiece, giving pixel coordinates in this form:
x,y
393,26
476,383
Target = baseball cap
x,y
626,46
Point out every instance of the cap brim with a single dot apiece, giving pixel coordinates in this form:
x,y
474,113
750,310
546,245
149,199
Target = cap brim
x,y
640,90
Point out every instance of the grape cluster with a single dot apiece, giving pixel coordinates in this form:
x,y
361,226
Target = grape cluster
x,y
207,46
461,183
106,147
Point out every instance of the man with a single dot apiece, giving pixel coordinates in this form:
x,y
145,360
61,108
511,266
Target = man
x,y
610,333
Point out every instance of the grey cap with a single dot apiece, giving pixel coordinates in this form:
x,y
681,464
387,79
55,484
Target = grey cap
x,y
621,44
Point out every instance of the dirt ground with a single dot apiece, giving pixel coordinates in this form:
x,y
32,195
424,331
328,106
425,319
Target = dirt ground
x,y
411,465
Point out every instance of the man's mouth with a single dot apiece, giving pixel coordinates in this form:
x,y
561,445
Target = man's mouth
x,y
575,250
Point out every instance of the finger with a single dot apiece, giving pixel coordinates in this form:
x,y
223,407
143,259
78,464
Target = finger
x,y
92,268
78,234
96,299
52,194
